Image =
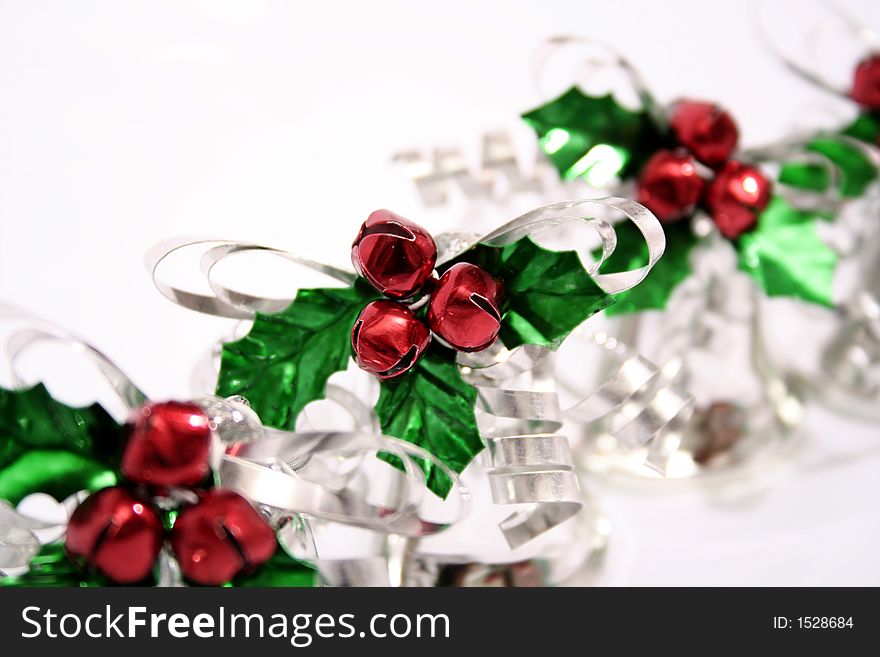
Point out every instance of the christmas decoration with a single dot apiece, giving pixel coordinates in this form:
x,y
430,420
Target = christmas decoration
x,y
117,531
683,163
763,211
844,168
442,349
197,491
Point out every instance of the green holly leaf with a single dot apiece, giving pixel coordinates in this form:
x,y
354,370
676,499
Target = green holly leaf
x,y
284,362
281,571
856,169
549,292
594,138
433,407
51,568
786,256
652,293
865,128
48,447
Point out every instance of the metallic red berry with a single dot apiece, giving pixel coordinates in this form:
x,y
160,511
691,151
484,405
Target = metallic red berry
x,y
116,533
394,254
465,308
866,83
169,444
388,339
705,130
670,186
221,536
736,196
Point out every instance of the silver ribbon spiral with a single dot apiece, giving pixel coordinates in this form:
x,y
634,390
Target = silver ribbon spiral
x,y
597,56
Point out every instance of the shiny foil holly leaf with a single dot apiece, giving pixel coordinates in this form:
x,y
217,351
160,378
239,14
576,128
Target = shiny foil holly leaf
x,y
549,293
786,256
865,128
48,447
281,571
51,568
594,138
433,407
285,360
855,168
652,293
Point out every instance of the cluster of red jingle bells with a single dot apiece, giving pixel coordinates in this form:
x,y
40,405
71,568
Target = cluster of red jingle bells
x,y
671,186
397,257
118,531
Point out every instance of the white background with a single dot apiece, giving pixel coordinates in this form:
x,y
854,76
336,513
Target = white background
x,y
123,123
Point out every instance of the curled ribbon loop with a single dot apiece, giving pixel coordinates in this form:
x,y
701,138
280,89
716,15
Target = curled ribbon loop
x,y
225,302
638,404
21,535
598,55
567,212
530,462
833,15
796,150
40,330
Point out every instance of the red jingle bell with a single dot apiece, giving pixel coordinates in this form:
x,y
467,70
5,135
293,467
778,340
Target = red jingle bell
x,y
115,533
735,197
670,186
388,339
169,444
705,130
465,308
394,254
866,83
219,537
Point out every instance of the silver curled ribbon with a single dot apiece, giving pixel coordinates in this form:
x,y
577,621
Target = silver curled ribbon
x,y
21,534
597,56
288,474
833,15
531,463
795,149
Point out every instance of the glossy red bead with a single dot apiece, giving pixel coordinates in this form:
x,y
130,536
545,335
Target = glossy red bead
x,y
219,537
388,339
736,196
706,130
116,533
670,186
169,444
866,83
394,254
466,306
